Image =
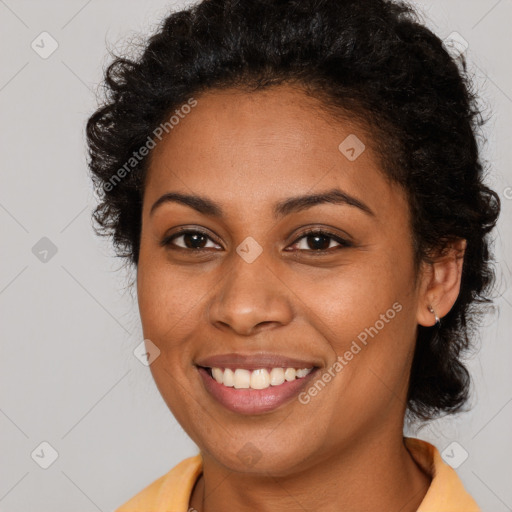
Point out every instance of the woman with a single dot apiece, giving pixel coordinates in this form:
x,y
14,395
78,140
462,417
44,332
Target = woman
x,y
299,188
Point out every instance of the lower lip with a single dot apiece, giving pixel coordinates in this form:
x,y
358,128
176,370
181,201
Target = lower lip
x,y
254,401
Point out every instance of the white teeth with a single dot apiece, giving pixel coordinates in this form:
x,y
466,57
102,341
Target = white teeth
x,y
276,376
257,379
289,374
242,378
217,374
229,378
260,379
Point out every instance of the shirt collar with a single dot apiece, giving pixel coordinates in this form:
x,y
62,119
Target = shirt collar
x,y
446,492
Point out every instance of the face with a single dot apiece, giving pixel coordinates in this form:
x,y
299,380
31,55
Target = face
x,y
261,279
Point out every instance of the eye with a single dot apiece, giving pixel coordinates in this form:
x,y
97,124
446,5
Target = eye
x,y
191,239
319,242
316,241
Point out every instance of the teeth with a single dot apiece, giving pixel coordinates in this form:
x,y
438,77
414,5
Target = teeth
x,y
228,378
289,374
242,379
217,374
276,376
257,379
260,379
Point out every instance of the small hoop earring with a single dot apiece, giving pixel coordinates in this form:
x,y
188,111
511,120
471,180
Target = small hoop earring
x,y
438,321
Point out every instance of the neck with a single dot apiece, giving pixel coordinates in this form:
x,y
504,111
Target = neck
x,y
368,476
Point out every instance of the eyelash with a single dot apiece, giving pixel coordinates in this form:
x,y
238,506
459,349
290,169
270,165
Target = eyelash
x,y
166,242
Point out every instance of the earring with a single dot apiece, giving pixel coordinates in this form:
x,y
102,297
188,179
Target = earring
x,y
438,322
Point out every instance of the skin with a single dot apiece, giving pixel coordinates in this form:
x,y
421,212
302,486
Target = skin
x,y
247,151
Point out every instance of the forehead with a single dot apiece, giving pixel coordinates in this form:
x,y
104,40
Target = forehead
x,y
267,145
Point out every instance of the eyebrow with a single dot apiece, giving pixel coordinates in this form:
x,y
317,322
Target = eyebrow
x,y
208,207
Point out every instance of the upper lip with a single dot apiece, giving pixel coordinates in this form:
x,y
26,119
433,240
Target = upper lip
x,y
254,361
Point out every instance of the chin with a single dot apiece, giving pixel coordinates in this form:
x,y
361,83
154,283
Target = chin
x,y
261,457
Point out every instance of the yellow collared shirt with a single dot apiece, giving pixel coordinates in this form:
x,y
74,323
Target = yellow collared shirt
x,y
171,492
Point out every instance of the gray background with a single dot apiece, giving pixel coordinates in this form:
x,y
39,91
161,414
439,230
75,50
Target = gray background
x,y
69,323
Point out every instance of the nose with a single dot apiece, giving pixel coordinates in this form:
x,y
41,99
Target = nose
x,y
251,297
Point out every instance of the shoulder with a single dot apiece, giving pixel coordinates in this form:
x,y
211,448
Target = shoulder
x,y
172,489
446,491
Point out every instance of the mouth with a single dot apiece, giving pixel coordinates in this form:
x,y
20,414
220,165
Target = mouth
x,y
255,390
259,378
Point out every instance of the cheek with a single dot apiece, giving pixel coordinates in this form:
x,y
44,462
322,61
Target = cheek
x,y
346,301
367,317
168,301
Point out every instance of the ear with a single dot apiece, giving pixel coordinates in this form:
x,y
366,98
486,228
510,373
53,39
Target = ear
x,y
440,283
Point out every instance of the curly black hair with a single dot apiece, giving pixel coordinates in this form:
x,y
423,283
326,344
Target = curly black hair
x,y
373,60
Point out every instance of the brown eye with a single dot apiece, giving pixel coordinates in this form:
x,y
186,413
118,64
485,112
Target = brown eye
x,y
193,240
317,241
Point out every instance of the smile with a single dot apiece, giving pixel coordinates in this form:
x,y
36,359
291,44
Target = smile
x,y
261,378
256,391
